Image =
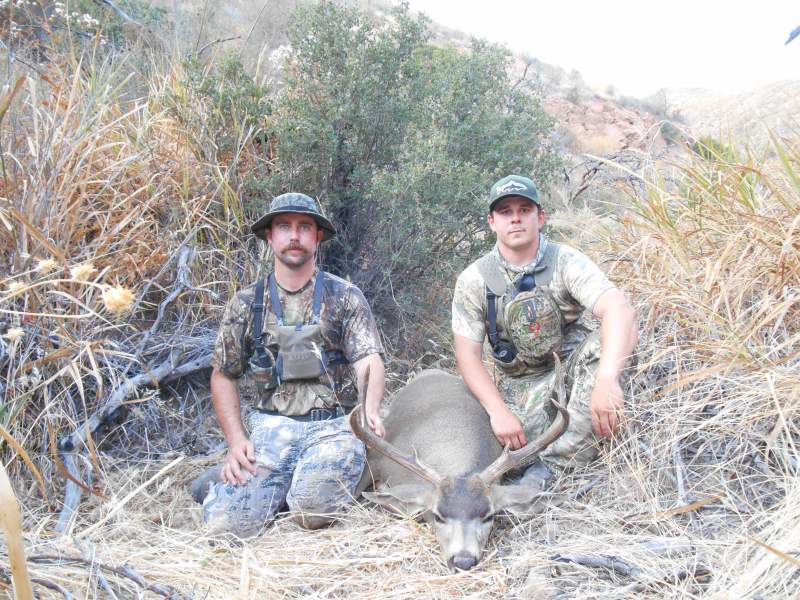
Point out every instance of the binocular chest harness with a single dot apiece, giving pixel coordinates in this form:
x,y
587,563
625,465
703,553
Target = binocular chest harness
x,y
532,321
301,354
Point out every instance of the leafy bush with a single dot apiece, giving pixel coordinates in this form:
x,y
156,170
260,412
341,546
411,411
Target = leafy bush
x,y
401,140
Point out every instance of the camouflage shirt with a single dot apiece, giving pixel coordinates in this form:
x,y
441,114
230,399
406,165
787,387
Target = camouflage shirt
x,y
576,285
347,326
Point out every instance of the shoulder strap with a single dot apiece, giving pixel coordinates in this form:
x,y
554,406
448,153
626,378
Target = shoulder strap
x,y
319,288
316,307
491,314
257,308
543,274
492,274
274,300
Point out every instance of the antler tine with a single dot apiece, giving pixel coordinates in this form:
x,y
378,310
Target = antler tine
x,y
511,459
362,430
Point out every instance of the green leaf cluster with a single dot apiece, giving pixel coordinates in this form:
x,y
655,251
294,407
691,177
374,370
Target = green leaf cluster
x,y
401,140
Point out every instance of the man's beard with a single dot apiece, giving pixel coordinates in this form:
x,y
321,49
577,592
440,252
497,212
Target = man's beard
x,y
294,261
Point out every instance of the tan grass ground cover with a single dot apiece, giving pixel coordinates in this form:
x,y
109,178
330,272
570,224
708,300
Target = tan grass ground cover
x,y
699,496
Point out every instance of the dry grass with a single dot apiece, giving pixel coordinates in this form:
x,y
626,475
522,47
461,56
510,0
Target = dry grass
x,y
99,177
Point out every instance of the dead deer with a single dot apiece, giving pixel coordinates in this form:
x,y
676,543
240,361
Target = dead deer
x,y
440,458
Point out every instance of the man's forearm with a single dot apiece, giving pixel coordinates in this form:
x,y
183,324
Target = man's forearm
x,y
377,379
618,335
225,397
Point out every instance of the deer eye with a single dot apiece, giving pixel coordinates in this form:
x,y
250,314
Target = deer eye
x,y
438,518
488,518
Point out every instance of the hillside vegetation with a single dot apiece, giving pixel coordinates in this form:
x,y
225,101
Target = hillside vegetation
x,y
129,176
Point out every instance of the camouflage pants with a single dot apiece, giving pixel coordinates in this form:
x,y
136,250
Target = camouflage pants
x,y
312,466
528,398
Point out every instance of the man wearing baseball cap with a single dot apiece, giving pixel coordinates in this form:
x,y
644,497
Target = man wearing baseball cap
x,y
296,337
525,298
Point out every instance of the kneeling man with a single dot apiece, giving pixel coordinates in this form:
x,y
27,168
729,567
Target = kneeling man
x,y
297,335
525,297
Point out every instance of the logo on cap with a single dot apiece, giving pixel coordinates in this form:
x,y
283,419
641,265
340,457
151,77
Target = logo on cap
x,y
511,186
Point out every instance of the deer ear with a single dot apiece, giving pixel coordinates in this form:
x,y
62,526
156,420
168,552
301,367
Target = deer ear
x,y
407,499
521,500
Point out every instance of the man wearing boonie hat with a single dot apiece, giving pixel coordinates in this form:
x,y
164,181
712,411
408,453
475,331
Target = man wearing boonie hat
x,y
525,298
295,338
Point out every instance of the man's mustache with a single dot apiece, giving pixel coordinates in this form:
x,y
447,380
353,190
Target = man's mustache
x,y
294,247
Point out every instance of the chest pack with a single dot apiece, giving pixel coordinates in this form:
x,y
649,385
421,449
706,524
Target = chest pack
x,y
301,353
532,322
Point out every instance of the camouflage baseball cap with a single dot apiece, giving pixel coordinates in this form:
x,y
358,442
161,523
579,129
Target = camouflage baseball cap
x,y
514,185
295,203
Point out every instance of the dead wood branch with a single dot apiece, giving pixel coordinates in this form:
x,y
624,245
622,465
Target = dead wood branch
x,y
89,555
217,41
72,493
113,412
669,547
600,561
50,585
126,571
186,257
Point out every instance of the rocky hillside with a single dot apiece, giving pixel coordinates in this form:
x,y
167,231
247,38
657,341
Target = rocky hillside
x,y
603,126
589,122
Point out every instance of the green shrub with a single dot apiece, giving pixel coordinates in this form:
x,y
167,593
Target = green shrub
x,y
401,140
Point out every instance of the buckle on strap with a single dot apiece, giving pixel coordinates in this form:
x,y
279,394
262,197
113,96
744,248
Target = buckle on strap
x,y
323,414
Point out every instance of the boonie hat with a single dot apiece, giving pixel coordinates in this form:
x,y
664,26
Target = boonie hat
x,y
514,185
294,202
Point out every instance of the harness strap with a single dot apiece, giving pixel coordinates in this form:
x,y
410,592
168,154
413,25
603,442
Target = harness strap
x,y
543,274
264,357
332,357
274,301
316,306
491,308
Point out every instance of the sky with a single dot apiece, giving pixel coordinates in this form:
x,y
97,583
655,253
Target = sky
x,y
640,46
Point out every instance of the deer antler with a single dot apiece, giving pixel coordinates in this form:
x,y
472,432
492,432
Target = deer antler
x,y
362,430
510,459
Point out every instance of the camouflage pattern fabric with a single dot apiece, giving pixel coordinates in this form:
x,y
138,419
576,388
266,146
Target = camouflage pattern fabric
x,y
576,285
311,466
528,398
347,325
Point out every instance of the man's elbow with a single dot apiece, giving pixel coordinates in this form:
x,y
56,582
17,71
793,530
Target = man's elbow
x,y
372,361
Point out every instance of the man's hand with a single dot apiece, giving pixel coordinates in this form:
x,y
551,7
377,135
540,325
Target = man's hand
x,y
608,405
508,428
241,459
375,423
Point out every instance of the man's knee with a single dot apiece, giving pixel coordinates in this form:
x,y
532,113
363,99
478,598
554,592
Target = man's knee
x,y
244,510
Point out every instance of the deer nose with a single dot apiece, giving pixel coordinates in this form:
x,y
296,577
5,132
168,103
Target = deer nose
x,y
462,562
